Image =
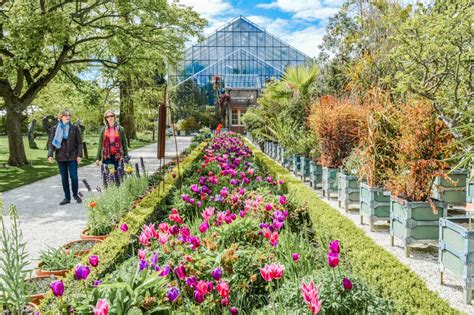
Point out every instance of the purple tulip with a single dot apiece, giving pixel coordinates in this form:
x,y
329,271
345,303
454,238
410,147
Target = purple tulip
x,y
216,274
334,247
94,260
82,272
143,264
57,287
233,310
347,284
295,256
180,272
97,283
154,259
198,296
191,281
172,294
165,271
283,200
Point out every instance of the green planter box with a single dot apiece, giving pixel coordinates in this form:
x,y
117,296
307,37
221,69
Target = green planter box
x,y
456,252
315,174
414,222
304,170
470,193
374,204
287,160
295,163
329,181
452,192
348,191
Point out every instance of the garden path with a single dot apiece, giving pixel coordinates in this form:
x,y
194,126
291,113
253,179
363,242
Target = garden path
x,y
45,223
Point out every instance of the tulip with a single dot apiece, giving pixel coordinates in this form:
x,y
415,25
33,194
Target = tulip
x,y
295,256
94,260
57,287
347,284
268,206
203,287
101,308
180,272
225,302
172,294
124,227
283,200
191,281
272,271
142,254
233,310
334,247
143,264
198,297
333,260
154,259
97,283
203,227
81,272
216,274
165,271
223,289
310,295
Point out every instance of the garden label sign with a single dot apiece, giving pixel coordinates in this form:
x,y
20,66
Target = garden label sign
x,y
161,131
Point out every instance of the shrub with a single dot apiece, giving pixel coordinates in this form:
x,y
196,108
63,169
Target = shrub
x,y
424,144
339,125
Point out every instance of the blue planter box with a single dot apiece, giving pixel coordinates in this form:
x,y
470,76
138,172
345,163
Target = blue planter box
x,y
296,161
315,175
304,169
414,222
329,182
470,193
348,191
456,252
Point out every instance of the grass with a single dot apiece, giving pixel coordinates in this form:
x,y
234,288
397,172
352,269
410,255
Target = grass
x,y
39,168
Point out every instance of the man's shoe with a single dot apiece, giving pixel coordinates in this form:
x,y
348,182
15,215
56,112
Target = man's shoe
x,y
64,202
78,199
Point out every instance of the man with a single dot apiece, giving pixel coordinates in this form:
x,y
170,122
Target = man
x,y
65,140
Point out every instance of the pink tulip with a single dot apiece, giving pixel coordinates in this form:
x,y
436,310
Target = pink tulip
x,y
94,260
272,271
334,247
333,260
142,254
124,227
295,256
101,308
310,295
204,227
223,289
283,200
347,284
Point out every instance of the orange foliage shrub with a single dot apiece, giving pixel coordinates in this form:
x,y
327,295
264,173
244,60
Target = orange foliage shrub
x,y
339,125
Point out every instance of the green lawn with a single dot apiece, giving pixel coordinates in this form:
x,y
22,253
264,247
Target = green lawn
x,y
12,177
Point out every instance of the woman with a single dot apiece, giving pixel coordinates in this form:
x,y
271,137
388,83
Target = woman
x,y
112,142
65,140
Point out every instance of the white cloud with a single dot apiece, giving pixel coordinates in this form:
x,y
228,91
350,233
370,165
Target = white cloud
x,y
208,8
305,9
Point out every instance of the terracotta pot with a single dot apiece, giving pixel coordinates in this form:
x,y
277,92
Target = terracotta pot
x,y
58,273
85,236
82,252
35,299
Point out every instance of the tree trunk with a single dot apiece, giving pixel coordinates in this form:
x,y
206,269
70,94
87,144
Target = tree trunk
x,y
127,112
17,155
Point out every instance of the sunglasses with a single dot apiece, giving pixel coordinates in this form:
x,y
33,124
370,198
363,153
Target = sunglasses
x,y
109,116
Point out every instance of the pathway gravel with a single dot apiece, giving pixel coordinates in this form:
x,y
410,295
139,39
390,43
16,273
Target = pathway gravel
x,y
45,223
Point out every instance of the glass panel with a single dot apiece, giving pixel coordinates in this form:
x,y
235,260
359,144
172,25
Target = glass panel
x,y
220,52
212,40
261,39
268,40
220,38
236,37
212,53
235,117
252,39
245,38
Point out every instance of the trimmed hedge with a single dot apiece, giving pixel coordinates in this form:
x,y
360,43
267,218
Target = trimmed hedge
x,y
369,261
114,249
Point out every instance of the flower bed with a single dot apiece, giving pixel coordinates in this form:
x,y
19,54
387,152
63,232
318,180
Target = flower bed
x,y
369,261
231,242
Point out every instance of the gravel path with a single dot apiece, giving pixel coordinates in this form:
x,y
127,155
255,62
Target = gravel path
x,y
423,260
47,224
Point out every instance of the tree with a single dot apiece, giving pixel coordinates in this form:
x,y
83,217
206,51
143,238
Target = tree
x,y
39,39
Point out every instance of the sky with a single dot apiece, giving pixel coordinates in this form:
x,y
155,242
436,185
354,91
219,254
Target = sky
x,y
300,23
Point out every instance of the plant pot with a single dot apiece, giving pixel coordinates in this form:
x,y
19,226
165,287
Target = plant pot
x,y
329,181
295,163
315,174
41,272
414,222
374,204
452,192
85,236
456,252
348,191
82,252
304,170
37,297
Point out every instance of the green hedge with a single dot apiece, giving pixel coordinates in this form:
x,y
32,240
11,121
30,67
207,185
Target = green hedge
x,y
380,269
116,248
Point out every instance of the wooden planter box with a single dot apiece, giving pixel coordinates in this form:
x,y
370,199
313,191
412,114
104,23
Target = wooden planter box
x,y
304,170
315,174
348,191
414,222
456,252
329,182
452,192
470,193
374,204
295,163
